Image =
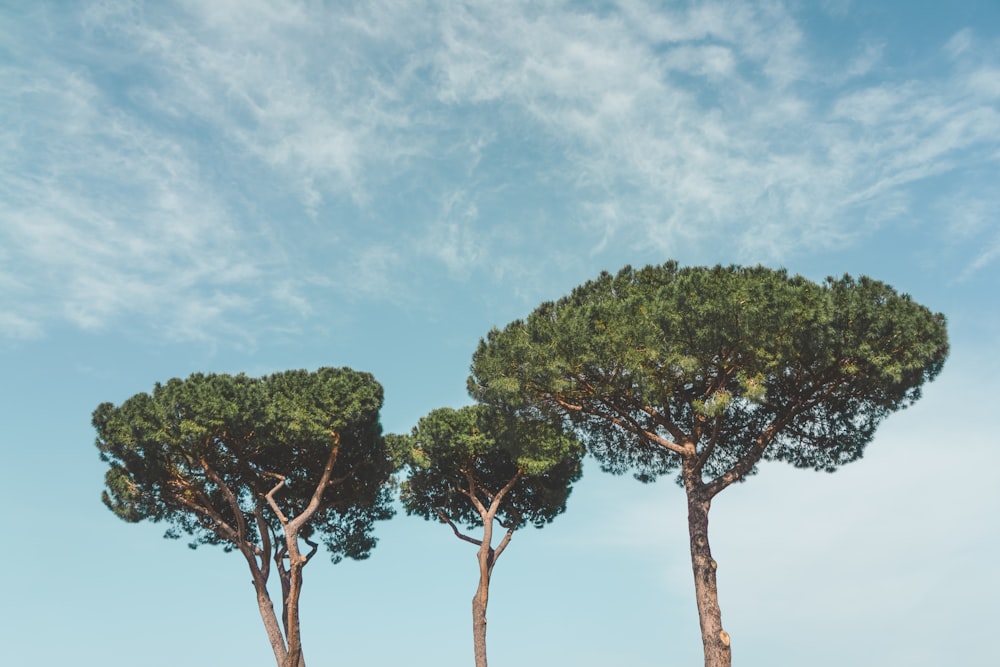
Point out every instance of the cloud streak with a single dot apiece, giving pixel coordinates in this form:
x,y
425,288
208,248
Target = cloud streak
x,y
716,122
154,148
104,218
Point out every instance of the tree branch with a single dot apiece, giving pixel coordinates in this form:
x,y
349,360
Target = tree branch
x,y
495,504
313,547
471,492
635,427
746,464
274,505
500,547
675,432
209,518
280,552
265,537
710,447
444,517
234,504
317,496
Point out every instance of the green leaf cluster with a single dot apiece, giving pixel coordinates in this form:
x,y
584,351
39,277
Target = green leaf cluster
x,y
183,453
454,455
726,365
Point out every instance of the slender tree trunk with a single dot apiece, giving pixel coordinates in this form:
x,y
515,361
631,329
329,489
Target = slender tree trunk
x,y
713,637
271,626
487,557
285,577
479,602
267,614
296,561
287,600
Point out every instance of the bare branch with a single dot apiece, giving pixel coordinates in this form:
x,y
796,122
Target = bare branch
x,y
767,436
234,504
710,447
317,496
629,425
313,547
495,505
500,547
663,420
514,520
274,505
265,537
209,518
444,517
471,492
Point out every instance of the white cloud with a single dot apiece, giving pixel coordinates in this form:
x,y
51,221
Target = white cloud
x,y
187,134
453,240
865,61
13,325
749,156
372,274
104,217
960,43
710,60
985,82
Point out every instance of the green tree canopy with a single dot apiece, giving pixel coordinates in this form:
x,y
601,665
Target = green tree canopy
x,y
474,466
255,465
707,371
448,447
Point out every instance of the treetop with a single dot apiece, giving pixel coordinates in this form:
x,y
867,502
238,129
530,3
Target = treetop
x,y
653,364
452,453
176,453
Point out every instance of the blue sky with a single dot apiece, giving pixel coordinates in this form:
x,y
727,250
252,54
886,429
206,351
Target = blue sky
x,y
255,186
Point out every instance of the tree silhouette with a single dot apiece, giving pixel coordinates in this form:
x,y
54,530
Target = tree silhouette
x,y
257,465
705,372
473,466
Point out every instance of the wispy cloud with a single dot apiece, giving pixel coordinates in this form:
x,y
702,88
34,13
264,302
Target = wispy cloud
x,y
715,120
452,240
103,218
191,164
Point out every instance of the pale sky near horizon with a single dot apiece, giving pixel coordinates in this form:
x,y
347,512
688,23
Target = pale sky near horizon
x,y
252,186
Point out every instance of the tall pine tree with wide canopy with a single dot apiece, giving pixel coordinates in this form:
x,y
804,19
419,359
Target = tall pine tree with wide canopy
x,y
261,466
474,467
706,372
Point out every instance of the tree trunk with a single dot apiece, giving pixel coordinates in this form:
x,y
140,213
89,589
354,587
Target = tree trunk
x,y
713,637
271,626
487,557
479,602
266,607
296,561
292,585
286,620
